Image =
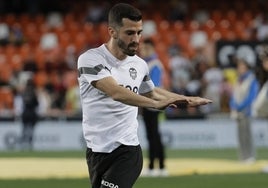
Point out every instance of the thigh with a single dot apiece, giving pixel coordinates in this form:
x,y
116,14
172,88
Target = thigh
x,y
125,169
96,167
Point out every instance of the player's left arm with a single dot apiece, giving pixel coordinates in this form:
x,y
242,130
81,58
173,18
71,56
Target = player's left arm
x,y
162,94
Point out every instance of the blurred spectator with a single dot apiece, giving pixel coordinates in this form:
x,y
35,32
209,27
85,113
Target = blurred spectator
x,y
260,107
58,93
183,80
18,104
178,10
48,41
244,93
212,83
225,94
71,57
151,117
54,20
44,100
29,114
201,16
198,39
30,64
16,36
200,63
72,101
4,34
181,70
261,27
97,12
149,28
19,79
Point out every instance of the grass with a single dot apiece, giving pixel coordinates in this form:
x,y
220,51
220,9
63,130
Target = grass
x,y
194,181
243,180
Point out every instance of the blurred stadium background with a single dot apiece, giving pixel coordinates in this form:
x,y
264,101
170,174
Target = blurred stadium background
x,y
196,41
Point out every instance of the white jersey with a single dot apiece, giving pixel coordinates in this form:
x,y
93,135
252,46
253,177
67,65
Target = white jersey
x,y
108,123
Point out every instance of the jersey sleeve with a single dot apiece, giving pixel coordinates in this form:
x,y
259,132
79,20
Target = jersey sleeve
x,y
92,67
147,85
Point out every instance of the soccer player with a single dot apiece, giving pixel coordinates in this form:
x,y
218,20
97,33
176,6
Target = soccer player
x,y
113,83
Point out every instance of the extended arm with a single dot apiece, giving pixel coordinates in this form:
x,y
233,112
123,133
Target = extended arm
x,y
109,86
160,94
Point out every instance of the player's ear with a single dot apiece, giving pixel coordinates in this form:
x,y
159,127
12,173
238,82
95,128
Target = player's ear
x,y
112,32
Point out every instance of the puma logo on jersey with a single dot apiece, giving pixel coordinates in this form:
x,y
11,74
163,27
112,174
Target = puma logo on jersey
x,y
108,184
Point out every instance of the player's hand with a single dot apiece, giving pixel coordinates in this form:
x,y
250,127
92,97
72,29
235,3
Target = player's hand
x,y
162,104
179,103
197,101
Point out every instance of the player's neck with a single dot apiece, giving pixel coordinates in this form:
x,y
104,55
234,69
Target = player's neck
x,y
115,50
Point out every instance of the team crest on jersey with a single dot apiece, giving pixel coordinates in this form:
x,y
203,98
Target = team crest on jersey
x,y
133,73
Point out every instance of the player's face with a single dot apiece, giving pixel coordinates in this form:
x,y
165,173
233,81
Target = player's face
x,y
241,67
129,36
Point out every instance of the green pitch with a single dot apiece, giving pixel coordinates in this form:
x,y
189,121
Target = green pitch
x,y
194,181
189,168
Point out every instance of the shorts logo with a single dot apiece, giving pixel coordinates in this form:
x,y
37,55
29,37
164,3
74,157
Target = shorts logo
x,y
133,73
108,184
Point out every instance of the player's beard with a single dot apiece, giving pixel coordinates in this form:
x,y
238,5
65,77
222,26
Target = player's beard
x,y
126,48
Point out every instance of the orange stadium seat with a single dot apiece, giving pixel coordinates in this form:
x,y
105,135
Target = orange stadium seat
x,y
72,28
41,78
9,19
192,26
88,29
80,41
10,50
39,55
70,79
162,51
39,20
241,31
64,39
157,17
6,98
178,26
231,16
183,39
24,19
16,63
163,26
25,51
216,16
209,28
247,17
224,28
103,31
32,34
6,72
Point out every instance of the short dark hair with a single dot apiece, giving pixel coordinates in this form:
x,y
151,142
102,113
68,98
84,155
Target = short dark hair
x,y
123,10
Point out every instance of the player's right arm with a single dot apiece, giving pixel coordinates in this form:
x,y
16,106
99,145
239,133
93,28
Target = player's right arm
x,y
118,93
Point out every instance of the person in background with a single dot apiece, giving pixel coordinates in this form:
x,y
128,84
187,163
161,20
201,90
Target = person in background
x,y
260,109
244,93
29,114
150,116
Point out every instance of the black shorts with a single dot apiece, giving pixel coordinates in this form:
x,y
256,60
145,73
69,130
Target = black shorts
x,y
118,169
